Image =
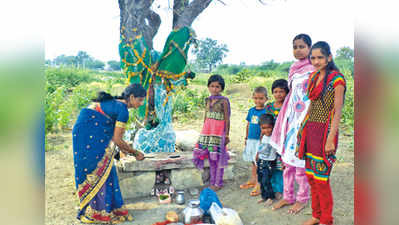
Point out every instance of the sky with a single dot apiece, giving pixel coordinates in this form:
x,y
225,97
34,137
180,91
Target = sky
x,y
253,32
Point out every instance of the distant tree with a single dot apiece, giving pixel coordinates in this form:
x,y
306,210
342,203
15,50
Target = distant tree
x,y
269,65
48,62
65,60
345,53
229,69
285,66
209,53
114,65
95,64
82,58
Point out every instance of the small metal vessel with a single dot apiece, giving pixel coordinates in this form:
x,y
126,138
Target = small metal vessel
x,y
180,197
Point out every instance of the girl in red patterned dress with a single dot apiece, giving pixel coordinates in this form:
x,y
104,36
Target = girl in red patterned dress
x,y
215,133
318,136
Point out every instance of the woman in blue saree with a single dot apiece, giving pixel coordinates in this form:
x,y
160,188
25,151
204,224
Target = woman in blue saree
x,y
96,179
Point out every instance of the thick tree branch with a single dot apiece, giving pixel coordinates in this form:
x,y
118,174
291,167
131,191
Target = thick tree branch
x,y
191,12
178,8
154,21
137,18
149,26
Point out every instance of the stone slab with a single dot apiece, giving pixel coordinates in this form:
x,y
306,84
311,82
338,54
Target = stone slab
x,y
162,161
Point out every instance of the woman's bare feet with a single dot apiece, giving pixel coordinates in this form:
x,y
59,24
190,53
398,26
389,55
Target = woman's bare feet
x,y
261,200
268,202
296,208
311,221
281,204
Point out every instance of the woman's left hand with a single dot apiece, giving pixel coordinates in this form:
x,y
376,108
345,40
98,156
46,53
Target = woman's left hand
x,y
330,146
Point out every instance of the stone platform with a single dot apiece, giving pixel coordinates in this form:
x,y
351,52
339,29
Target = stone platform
x,y
136,178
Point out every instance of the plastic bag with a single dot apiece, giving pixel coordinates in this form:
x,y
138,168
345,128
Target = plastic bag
x,y
207,197
224,216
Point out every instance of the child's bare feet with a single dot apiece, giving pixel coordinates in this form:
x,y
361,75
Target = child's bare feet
x,y
311,221
261,200
296,208
278,195
280,204
268,202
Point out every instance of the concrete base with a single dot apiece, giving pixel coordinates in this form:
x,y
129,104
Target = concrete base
x,y
136,178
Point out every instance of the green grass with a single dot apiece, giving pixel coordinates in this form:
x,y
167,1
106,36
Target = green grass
x,y
69,89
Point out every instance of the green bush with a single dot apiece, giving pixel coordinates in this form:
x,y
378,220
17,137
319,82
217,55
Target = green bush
x,y
52,101
188,100
67,77
200,79
347,112
68,91
243,76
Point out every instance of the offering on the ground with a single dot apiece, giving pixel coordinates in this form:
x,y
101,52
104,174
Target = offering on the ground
x,y
172,216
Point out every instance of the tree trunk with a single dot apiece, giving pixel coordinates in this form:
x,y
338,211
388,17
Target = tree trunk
x,y
137,18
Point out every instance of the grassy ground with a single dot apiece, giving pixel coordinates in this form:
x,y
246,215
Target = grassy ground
x,y
61,201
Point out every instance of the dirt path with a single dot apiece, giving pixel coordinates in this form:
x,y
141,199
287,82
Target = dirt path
x,y
61,201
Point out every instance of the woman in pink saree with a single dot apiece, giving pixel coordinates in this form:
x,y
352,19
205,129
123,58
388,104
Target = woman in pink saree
x,y
284,137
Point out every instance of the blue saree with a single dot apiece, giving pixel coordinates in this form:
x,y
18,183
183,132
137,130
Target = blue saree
x,y
95,175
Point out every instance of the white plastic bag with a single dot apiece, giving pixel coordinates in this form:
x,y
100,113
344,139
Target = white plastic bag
x,y
224,216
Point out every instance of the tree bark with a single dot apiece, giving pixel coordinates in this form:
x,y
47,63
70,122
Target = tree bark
x,y
191,11
137,18
178,8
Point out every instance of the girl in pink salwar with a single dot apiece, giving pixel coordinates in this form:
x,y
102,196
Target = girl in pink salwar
x,y
215,133
284,137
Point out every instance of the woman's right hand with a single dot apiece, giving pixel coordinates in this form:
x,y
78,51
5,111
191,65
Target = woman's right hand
x,y
139,155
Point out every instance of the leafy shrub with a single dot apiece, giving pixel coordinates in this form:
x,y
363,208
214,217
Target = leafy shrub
x,y
188,100
68,90
67,77
242,76
347,111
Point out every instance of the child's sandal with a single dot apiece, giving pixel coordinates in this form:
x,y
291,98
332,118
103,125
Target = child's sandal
x,y
247,185
255,191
